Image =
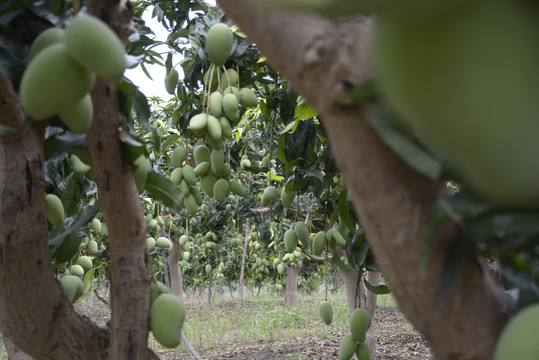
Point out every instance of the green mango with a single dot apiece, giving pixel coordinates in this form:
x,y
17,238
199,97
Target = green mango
x,y
167,315
219,43
78,118
94,45
518,338
171,81
54,209
52,82
360,321
48,37
325,310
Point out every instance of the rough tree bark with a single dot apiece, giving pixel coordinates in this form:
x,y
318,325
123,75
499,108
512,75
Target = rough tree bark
x,y
291,289
323,61
243,260
176,281
36,315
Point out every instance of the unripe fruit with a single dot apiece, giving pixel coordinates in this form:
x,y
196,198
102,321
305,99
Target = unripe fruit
x,y
218,162
221,190
76,270
363,352
471,100
167,315
197,195
171,81
347,347
70,286
287,197
163,243
290,240
269,195
518,339
206,183
334,235
237,188
231,107
225,127
219,43
190,204
158,288
229,74
233,90
202,169
216,103
52,82
92,247
151,243
85,262
281,268
94,45
202,154
319,243
325,310
140,173
47,38
78,118
248,98
152,224
360,321
208,269
302,231
214,128
184,187
189,175
177,157
176,175
186,255
183,239
198,122
55,209
77,165
278,287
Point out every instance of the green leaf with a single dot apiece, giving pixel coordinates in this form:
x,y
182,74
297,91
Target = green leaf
x,y
69,247
164,190
88,277
304,111
72,224
402,144
455,258
335,260
344,211
377,289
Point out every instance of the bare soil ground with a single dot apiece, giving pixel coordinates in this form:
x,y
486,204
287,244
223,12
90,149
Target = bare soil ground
x,y
396,338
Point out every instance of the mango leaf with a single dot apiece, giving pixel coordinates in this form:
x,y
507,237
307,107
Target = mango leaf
x,y
377,289
72,224
164,190
88,277
403,145
335,260
344,211
304,111
69,247
455,258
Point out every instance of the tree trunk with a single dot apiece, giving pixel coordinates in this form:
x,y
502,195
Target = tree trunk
x,y
324,61
291,290
176,281
36,315
243,260
13,352
166,278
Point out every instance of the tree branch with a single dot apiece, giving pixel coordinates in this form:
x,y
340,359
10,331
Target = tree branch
x,y
323,61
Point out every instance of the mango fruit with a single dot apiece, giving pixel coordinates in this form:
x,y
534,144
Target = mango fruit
x,y
167,315
206,183
202,154
48,37
198,122
248,98
188,174
140,173
177,157
219,43
92,247
202,169
347,348
518,339
231,107
360,321
52,82
269,195
221,190
176,175
73,287
467,88
171,81
150,242
76,270
77,165
94,45
214,128
158,288
290,241
163,243
287,197
190,204
302,232
325,310
215,103
237,188
218,162
319,243
85,262
78,117
211,79
363,352
54,209
229,78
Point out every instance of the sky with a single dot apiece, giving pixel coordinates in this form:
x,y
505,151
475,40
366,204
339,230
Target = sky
x,y
137,76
